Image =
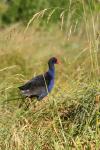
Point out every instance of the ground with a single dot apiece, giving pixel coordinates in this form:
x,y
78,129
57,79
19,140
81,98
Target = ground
x,y
70,117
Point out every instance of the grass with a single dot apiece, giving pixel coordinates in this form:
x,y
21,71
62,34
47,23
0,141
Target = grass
x,y
70,118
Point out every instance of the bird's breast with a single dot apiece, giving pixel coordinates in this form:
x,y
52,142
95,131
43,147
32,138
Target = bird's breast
x,y
50,86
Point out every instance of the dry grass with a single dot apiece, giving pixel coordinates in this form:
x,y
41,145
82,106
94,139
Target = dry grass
x,y
70,118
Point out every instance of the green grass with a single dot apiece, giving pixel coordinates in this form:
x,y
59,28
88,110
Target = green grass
x,y
70,117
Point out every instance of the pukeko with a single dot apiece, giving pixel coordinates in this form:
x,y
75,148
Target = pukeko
x,y
41,85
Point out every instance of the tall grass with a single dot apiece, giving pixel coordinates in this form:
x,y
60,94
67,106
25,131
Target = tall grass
x,y
70,118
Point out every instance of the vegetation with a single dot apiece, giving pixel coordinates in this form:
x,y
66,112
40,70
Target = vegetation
x,y
70,117
24,10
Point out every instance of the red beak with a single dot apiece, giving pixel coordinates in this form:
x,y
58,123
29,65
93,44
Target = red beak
x,y
58,62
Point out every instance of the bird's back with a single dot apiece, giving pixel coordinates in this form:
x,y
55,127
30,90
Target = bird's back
x,y
37,86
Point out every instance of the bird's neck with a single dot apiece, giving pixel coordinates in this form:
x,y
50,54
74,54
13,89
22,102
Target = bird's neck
x,y
51,71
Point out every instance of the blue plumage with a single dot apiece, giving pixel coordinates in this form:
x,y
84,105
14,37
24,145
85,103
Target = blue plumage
x,y
40,85
51,72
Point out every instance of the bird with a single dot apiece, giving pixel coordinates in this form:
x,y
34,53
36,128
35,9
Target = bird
x,y
40,86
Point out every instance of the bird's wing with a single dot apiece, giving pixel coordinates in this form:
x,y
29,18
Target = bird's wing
x,y
36,86
33,83
42,80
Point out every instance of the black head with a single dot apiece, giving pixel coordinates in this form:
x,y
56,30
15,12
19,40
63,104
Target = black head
x,y
53,61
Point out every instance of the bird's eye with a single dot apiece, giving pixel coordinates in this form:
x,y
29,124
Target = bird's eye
x,y
54,61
